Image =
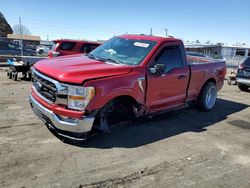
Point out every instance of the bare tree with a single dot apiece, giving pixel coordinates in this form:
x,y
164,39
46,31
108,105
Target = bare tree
x,y
23,30
4,26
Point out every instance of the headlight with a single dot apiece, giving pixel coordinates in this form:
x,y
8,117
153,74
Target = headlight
x,y
79,97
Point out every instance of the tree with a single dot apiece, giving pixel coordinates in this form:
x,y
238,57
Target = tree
x,y
4,26
24,30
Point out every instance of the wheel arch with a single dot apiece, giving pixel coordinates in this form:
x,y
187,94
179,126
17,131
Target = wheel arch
x,y
210,80
213,80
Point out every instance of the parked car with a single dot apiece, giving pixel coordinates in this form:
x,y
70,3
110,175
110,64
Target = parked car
x,y
63,47
8,48
243,75
128,76
30,47
42,49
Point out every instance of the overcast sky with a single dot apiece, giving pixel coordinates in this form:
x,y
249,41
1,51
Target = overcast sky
x,y
218,21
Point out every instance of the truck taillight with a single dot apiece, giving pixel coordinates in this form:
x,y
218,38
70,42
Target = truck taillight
x,y
223,72
50,54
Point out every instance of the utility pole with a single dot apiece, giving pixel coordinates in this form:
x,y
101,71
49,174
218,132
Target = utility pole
x,y
151,31
21,34
166,30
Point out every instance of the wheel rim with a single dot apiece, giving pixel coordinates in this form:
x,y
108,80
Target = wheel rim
x,y
211,97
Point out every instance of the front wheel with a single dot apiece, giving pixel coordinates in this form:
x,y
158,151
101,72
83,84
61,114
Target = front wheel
x,y
115,111
207,97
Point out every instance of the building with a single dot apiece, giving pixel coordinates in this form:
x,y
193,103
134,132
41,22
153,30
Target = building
x,y
219,50
27,39
235,50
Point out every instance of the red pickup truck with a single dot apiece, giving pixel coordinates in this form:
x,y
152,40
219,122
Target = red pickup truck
x,y
63,47
129,75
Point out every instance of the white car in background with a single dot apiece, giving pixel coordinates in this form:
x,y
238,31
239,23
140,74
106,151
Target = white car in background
x,y
42,49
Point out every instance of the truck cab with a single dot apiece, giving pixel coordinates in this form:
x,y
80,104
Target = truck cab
x,y
62,47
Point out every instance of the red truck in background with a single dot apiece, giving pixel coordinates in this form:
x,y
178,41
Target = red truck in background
x,y
129,75
63,47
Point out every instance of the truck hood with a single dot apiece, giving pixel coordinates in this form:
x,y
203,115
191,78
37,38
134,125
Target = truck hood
x,y
78,68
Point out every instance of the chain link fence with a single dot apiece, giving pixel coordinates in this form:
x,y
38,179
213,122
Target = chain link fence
x,y
234,62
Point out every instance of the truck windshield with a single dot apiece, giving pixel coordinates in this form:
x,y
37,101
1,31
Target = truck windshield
x,y
123,51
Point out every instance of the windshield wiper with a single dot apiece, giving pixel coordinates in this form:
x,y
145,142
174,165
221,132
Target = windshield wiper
x,y
112,60
91,56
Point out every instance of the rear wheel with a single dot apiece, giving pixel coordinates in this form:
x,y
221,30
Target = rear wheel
x,y
207,97
243,87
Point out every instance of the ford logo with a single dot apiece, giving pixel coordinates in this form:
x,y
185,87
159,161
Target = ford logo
x,y
39,85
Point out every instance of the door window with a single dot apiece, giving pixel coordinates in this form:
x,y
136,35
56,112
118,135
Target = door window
x,y
87,48
171,57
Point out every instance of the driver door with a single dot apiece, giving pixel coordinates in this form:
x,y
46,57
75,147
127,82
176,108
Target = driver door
x,y
168,89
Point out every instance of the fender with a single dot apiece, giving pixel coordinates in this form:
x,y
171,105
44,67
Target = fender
x,y
110,88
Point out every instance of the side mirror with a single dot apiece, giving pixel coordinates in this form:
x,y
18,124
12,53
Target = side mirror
x,y
158,69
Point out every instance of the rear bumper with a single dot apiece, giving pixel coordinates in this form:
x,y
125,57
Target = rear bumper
x,y
243,81
70,128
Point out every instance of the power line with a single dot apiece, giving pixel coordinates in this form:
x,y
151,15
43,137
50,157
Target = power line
x,y
62,25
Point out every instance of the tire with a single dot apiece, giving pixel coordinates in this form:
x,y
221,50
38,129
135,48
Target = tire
x,y
9,74
113,112
24,75
29,76
207,97
243,87
40,52
15,76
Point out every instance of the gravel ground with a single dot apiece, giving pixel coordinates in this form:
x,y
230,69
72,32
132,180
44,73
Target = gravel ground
x,y
184,149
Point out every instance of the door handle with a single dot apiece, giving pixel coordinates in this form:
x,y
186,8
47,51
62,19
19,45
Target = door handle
x,y
182,76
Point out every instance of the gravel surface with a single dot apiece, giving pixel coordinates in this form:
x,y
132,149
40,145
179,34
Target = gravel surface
x,y
183,149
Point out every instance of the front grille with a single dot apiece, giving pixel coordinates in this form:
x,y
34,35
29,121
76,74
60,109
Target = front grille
x,y
45,88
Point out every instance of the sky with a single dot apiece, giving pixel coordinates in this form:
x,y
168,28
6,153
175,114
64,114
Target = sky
x,y
226,21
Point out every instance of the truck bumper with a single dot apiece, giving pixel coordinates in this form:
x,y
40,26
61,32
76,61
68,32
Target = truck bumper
x,y
243,81
69,128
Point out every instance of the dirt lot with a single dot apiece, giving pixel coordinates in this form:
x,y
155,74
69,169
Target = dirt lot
x,y
184,149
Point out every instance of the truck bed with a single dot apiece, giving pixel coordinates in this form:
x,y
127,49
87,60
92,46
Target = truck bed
x,y
200,60
201,70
